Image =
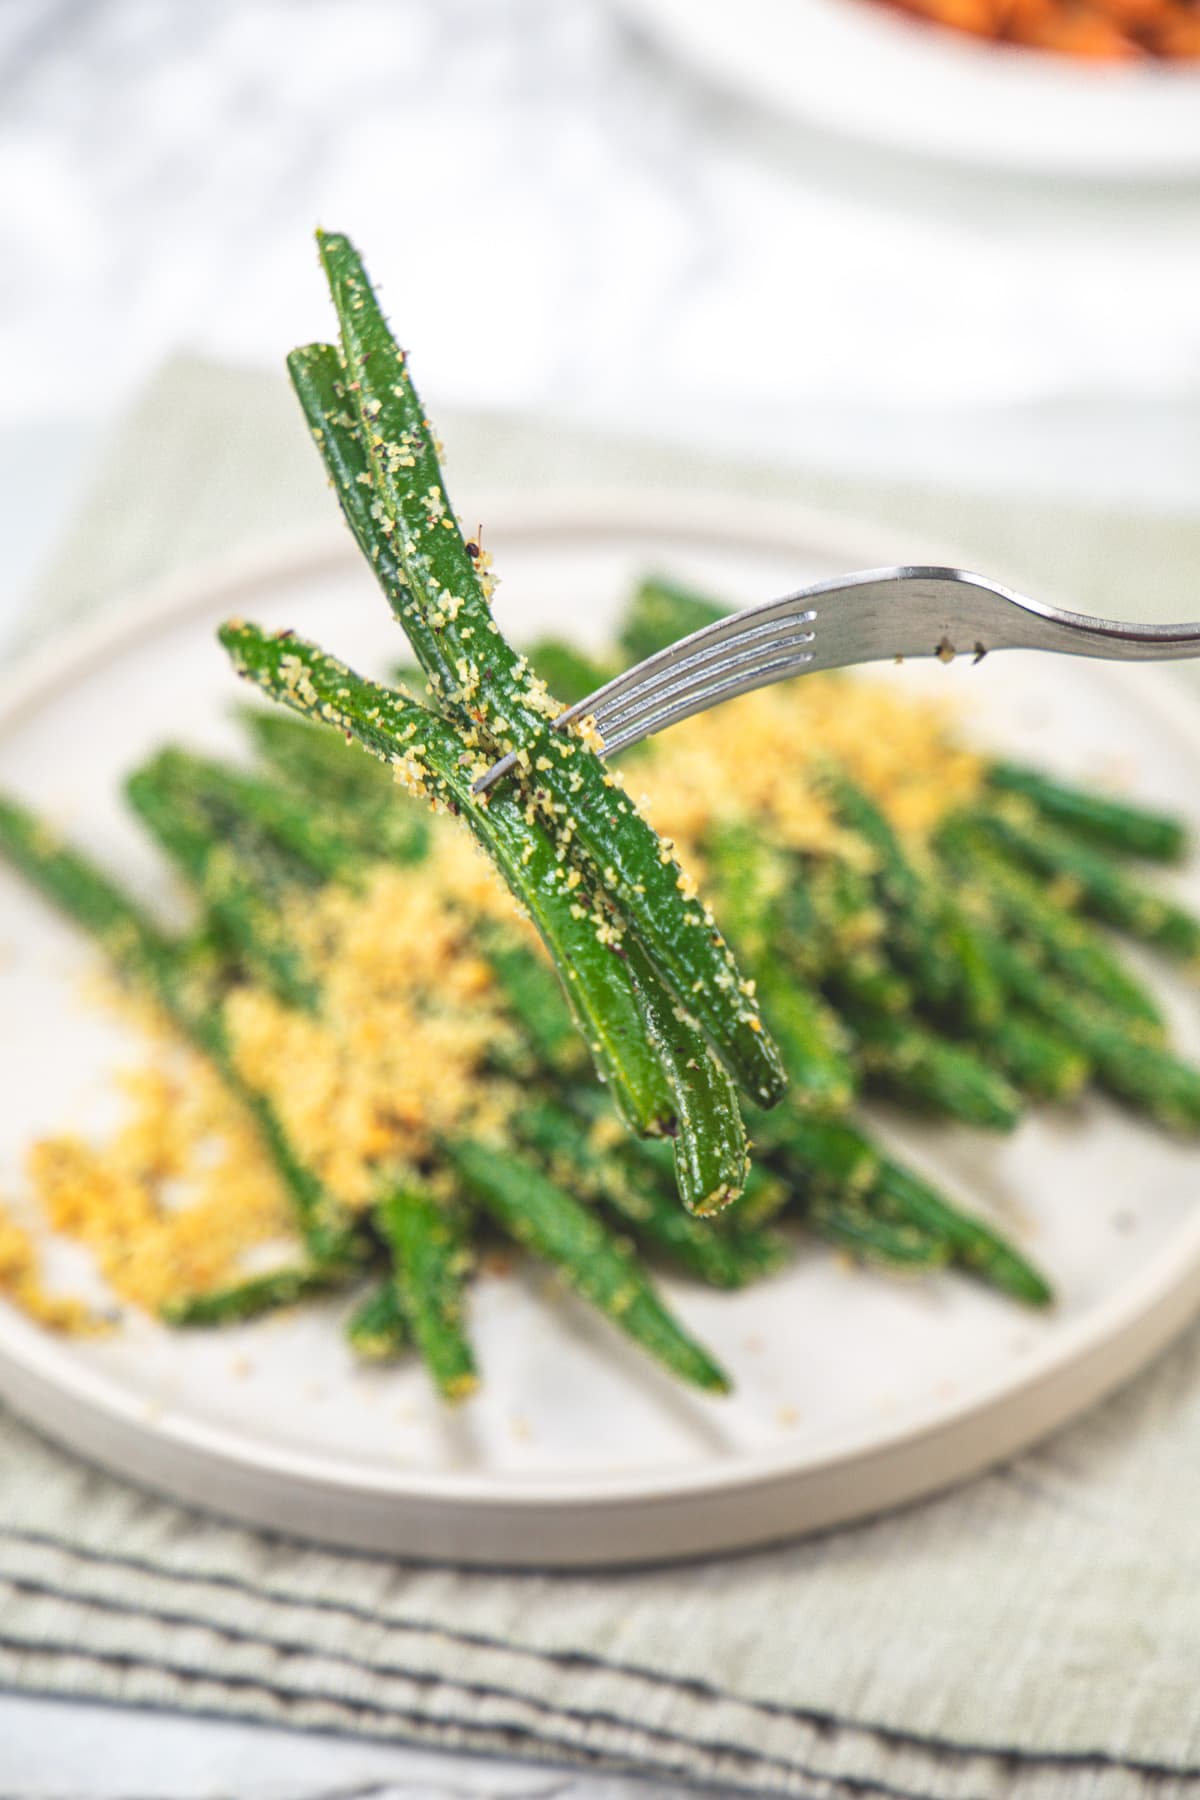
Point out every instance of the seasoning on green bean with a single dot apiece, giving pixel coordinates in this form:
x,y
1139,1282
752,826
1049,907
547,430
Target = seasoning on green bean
x,y
851,1226
1113,824
599,1267
233,867
708,1136
904,1058
1092,880
250,1299
1067,943
431,1261
377,1330
904,1195
1148,1079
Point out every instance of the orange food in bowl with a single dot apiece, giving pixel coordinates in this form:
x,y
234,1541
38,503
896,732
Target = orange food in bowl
x,y
1095,30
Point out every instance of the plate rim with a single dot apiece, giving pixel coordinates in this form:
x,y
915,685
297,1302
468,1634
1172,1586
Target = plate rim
x,y
1087,1360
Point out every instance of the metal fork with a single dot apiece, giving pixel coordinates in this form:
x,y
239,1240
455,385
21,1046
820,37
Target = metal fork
x,y
880,615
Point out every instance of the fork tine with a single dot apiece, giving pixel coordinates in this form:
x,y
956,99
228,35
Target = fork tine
x,y
677,658
672,709
686,674
727,658
717,679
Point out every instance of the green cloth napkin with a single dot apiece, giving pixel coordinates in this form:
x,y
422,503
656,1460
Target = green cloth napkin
x,y
1031,1636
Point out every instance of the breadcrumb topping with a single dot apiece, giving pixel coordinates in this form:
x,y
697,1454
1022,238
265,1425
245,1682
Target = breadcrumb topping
x,y
764,761
21,1281
172,1202
409,1017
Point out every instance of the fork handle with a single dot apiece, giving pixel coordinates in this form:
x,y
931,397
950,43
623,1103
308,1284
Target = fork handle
x,y
951,611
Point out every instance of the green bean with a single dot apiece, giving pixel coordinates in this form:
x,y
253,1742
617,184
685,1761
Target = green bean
x,y
249,1299
535,998
564,1231
921,1068
431,1260
750,879
975,1246
1113,824
320,382
770,921
242,883
1066,942
764,1196
330,1231
815,1046
268,805
444,609
838,1164
444,604
826,1155
357,791
916,939
181,978
377,1330
1039,1060
981,991
1093,880
851,1226
596,981
709,1139
1149,1079
863,980
833,935
79,889
845,909
660,613
629,1181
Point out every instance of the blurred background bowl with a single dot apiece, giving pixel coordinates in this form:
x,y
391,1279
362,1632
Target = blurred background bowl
x,y
891,80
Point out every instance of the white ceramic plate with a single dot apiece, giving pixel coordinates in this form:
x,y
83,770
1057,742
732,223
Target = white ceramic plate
x,y
854,1390
860,71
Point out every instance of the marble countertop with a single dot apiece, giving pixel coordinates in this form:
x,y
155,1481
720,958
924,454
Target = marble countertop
x,y
562,222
